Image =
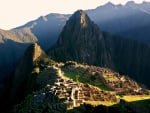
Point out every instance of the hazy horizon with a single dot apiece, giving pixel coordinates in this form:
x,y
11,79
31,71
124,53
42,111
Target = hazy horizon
x,y
15,13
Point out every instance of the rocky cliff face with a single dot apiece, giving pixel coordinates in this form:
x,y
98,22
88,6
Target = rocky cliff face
x,y
37,52
83,41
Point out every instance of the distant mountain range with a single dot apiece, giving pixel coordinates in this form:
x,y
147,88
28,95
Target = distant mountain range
x,y
130,20
46,28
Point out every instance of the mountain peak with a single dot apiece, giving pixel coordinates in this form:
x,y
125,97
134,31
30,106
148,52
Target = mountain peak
x,y
83,17
78,24
37,51
29,65
130,3
78,39
109,4
80,17
80,12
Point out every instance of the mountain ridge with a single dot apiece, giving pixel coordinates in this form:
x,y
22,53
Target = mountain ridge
x,y
110,19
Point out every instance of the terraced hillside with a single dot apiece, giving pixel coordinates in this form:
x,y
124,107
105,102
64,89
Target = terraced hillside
x,y
66,86
103,78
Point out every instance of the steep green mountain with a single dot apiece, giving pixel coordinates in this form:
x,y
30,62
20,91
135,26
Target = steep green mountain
x,y
12,46
33,62
83,41
10,53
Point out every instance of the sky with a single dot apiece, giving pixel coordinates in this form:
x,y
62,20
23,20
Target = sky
x,y
14,13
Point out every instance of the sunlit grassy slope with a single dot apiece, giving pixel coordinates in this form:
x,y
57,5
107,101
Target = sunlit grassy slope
x,y
83,76
143,100
131,98
95,103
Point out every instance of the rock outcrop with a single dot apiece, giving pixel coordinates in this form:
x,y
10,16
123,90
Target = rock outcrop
x,y
30,65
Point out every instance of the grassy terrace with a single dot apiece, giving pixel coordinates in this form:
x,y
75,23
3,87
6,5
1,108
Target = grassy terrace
x,y
140,100
96,103
83,76
132,98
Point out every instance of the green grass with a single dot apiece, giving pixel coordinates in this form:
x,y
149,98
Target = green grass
x,y
83,76
96,103
140,100
132,98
